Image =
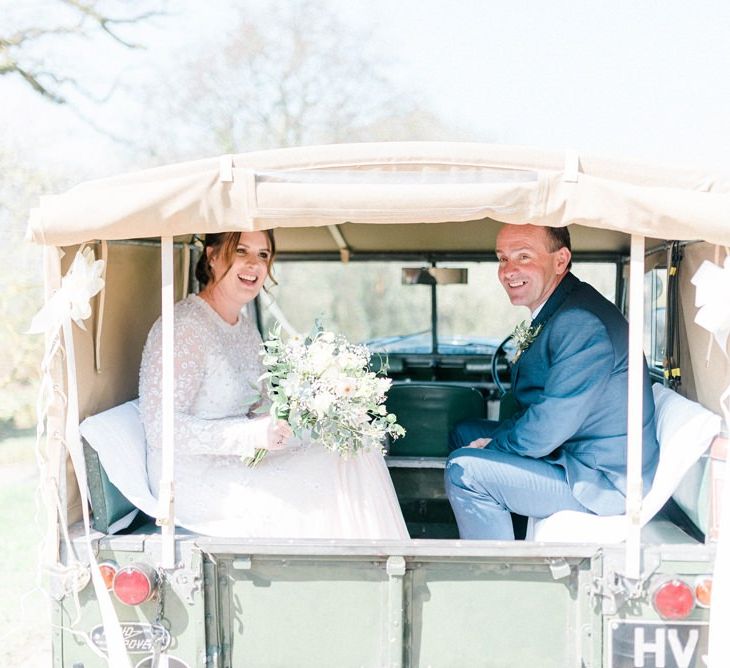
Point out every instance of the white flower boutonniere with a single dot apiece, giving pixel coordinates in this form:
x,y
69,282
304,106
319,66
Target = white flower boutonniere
x,y
523,336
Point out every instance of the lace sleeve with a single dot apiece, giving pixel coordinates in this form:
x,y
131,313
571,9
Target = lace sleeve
x,y
194,435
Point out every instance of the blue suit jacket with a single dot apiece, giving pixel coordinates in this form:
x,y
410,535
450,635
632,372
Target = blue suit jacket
x,y
571,385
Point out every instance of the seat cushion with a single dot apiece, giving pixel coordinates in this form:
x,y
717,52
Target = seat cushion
x,y
119,486
685,430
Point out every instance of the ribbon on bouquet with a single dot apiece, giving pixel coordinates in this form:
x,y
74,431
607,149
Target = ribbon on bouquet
x,y
72,303
712,283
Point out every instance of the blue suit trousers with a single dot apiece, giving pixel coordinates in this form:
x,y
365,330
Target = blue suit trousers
x,y
485,484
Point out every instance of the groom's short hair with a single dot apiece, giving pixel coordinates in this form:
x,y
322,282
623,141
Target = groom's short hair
x,y
559,237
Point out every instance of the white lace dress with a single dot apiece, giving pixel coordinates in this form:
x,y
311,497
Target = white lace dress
x,y
304,491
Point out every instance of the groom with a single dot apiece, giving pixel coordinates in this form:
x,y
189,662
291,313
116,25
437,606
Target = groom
x,y
565,448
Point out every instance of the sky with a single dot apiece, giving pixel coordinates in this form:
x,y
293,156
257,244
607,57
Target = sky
x,y
644,80
647,80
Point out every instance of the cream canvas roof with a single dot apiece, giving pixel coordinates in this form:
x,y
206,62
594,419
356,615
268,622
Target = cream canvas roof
x,y
400,184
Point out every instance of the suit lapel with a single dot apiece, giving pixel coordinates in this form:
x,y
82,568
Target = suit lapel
x,y
554,302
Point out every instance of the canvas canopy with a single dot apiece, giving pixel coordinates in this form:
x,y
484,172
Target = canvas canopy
x,y
404,183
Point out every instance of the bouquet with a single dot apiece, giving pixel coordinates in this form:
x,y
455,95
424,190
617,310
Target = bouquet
x,y
322,386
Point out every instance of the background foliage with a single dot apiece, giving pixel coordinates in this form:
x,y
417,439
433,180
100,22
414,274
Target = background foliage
x,y
20,276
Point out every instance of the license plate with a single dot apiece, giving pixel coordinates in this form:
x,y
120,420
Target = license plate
x,y
649,644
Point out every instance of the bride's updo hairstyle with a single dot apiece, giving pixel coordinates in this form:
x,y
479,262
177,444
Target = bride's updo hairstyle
x,y
224,245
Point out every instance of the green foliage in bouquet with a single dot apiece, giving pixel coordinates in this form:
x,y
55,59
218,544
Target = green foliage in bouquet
x,y
323,386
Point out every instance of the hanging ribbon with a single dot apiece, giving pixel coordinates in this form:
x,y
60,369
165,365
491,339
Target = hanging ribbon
x,y
100,312
72,303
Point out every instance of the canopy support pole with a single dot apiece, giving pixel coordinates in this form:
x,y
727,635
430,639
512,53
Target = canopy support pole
x,y
166,509
344,249
634,491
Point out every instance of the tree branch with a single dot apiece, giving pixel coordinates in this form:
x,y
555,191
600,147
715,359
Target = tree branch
x,y
106,23
14,48
36,85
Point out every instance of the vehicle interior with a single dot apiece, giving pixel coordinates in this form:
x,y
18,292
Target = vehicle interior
x,y
426,300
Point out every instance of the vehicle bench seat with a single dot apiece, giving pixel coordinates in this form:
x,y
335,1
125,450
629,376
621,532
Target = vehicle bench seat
x,y
685,431
112,511
114,449
116,468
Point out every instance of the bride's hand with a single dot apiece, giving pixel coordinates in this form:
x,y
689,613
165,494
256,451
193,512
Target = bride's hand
x,y
278,434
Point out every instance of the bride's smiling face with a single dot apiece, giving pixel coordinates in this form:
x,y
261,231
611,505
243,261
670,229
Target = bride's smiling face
x,y
242,281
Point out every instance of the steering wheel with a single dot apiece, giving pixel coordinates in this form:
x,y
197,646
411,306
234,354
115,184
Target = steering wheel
x,y
499,352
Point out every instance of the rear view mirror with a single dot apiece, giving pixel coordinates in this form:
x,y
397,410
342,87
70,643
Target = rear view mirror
x,y
433,276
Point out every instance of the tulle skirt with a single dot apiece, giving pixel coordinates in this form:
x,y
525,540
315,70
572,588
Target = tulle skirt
x,y
302,492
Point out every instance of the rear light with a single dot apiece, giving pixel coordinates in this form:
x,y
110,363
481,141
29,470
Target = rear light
x,y
135,584
108,571
673,599
703,590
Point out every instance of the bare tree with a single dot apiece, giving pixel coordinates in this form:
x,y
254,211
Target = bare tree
x,y
22,45
46,45
291,75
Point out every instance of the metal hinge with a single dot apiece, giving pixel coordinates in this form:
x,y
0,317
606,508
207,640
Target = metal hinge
x,y
559,568
615,590
185,583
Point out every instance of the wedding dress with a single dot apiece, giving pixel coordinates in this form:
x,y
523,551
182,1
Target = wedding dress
x,y
304,491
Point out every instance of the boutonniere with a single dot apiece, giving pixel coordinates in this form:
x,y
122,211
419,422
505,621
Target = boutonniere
x,y
523,336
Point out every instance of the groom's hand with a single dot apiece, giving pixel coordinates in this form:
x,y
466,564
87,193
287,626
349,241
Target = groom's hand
x,y
479,443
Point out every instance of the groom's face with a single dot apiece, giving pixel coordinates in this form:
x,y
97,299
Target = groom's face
x,y
528,269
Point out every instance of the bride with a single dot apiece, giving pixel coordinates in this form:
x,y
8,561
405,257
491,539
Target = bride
x,y
298,490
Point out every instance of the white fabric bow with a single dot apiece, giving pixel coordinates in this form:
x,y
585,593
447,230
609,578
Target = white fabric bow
x,y
713,287
73,299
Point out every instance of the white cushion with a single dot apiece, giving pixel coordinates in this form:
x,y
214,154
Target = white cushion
x,y
118,437
685,430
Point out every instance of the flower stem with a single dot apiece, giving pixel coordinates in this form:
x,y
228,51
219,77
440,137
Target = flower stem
x,y
257,457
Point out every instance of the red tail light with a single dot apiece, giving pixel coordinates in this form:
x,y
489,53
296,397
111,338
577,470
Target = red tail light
x,y
673,599
108,571
703,590
135,584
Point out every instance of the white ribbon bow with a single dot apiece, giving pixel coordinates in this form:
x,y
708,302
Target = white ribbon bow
x,y
73,299
713,287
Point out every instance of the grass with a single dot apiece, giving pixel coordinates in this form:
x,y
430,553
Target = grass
x,y
24,610
17,447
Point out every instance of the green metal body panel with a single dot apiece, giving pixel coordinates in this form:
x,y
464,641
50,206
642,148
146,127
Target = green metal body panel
x,y
183,618
328,612
492,613
437,603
